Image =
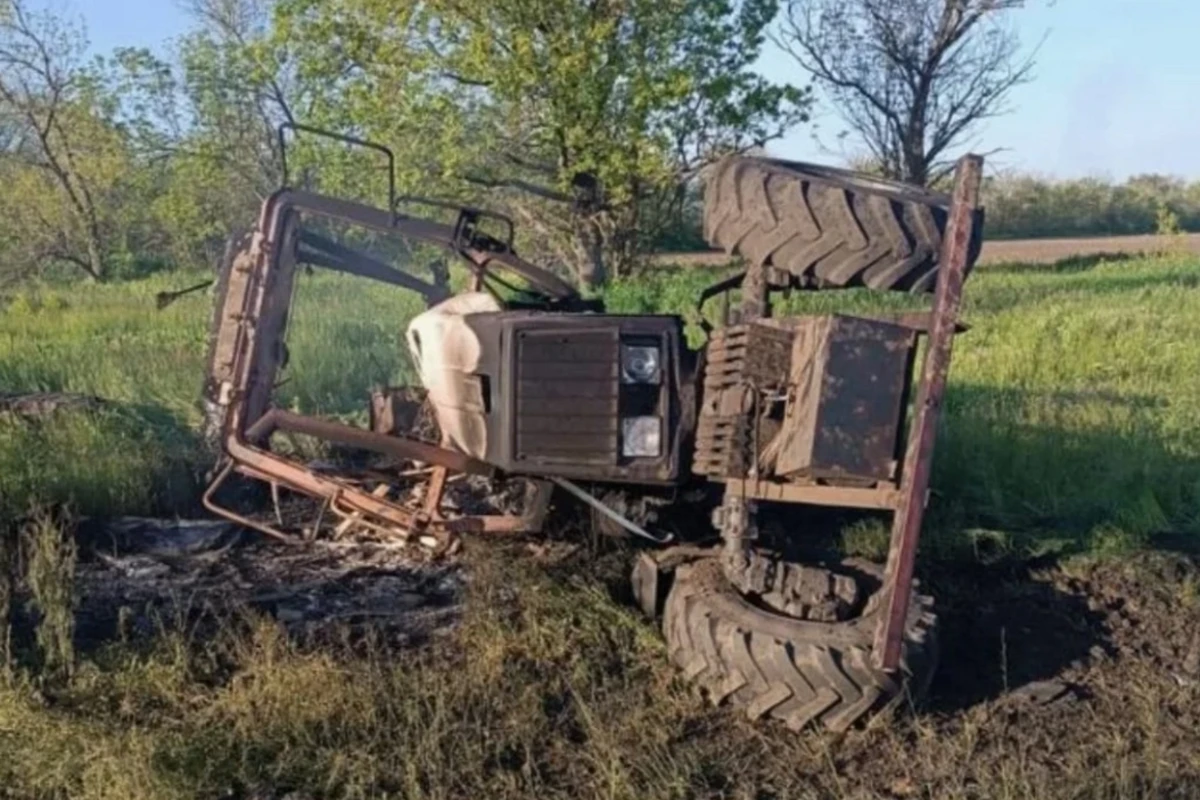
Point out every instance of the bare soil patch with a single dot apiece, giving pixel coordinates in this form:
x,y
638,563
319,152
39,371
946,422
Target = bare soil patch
x,y
1078,680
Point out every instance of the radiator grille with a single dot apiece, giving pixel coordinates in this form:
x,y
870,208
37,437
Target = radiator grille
x,y
567,397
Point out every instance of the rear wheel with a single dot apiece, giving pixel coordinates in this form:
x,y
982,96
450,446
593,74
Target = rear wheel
x,y
798,671
824,227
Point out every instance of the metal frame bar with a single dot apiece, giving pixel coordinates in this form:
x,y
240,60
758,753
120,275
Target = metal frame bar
x,y
339,258
249,382
337,137
884,497
466,225
397,446
918,459
279,205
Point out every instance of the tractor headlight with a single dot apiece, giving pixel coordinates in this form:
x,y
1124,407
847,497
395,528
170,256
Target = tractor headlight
x,y
640,363
641,437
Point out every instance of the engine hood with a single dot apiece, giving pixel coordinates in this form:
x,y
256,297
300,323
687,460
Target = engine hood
x,y
447,353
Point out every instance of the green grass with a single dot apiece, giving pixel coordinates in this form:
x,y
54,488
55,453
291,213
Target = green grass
x,y
1072,406
1073,420
548,689
560,690
141,455
534,696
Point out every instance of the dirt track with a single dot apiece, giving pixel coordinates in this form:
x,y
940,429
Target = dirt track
x,y
1035,251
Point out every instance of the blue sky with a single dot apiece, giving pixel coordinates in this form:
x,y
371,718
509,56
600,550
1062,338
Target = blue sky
x,y
1115,91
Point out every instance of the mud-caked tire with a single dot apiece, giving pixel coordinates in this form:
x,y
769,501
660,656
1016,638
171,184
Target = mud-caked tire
x,y
774,666
828,228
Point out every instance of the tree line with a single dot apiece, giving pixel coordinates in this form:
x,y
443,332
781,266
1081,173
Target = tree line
x,y
589,122
1030,206
581,120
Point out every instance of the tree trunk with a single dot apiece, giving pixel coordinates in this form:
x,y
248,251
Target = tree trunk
x,y
591,268
95,261
916,168
916,171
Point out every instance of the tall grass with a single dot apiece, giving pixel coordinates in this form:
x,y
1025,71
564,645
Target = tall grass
x,y
539,694
1072,417
547,689
140,453
50,555
1071,411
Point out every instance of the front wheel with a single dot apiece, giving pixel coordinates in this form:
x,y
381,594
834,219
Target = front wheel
x,y
773,665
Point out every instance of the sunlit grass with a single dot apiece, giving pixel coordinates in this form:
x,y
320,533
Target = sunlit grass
x,y
139,454
1073,418
1072,401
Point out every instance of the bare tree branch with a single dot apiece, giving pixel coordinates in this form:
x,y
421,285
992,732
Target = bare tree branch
x,y
519,185
911,78
39,75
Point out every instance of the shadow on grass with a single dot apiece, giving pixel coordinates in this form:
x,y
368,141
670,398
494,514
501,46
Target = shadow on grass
x,y
1076,263
1015,495
120,459
1061,471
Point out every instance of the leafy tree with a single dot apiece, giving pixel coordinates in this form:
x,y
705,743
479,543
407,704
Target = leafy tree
x,y
911,78
582,118
1029,206
71,156
236,88
58,159
240,80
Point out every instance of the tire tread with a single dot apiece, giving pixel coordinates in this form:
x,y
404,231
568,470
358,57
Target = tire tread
x,y
731,651
826,228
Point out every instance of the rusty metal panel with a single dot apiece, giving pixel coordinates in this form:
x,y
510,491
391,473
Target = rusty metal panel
x,y
792,451
231,303
397,446
883,497
845,399
270,327
744,365
567,396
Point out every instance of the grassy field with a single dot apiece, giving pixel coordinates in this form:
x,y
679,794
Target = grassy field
x,y
140,456
1026,251
1070,408
1072,428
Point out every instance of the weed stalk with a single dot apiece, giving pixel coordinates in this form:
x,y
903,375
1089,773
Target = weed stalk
x,y
8,577
50,559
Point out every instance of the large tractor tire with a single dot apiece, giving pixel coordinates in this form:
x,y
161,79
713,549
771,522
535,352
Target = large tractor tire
x,y
777,666
828,228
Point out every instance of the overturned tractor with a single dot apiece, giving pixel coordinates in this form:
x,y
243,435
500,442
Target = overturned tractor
x,y
530,383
